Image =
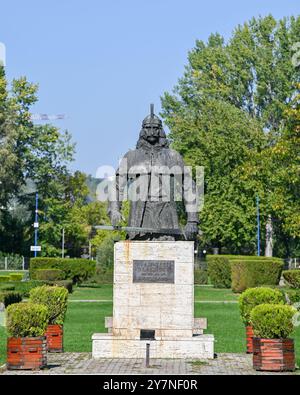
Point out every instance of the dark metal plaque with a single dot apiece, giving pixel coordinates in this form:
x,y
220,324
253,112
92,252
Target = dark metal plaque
x,y
153,271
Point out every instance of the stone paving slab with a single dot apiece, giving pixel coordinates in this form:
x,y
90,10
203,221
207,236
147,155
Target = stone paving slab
x,y
82,363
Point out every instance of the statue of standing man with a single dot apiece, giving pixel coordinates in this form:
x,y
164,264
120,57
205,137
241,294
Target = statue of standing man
x,y
153,178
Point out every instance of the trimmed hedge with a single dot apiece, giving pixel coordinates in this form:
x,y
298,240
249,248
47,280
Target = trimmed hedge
x,y
253,297
77,270
219,271
272,321
292,277
49,274
15,277
254,273
4,279
10,297
201,276
54,298
7,287
26,320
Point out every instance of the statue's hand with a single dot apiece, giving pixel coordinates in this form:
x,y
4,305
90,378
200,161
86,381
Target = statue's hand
x,y
191,230
116,218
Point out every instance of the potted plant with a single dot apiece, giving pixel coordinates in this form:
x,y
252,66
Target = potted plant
x,y
26,344
273,350
55,299
251,298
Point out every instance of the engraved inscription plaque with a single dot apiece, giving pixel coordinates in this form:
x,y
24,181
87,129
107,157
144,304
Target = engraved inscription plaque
x,y
153,271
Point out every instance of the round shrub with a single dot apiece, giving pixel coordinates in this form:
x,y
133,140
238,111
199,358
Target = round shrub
x,y
219,272
253,297
26,320
272,321
292,277
54,298
49,274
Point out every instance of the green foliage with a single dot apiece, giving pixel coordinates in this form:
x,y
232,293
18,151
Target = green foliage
x,y
49,274
14,261
292,277
10,297
253,297
228,114
26,320
15,276
219,271
271,321
201,276
54,298
250,274
77,270
4,279
105,251
28,152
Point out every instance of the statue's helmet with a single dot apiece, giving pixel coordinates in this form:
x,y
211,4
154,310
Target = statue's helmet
x,y
152,124
152,120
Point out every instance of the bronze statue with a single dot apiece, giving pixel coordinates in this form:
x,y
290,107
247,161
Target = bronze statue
x,y
153,169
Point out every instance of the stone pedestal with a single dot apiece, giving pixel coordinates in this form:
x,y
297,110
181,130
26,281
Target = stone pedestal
x,y
154,302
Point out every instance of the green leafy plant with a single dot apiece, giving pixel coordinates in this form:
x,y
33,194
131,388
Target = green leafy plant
x,y
54,298
26,320
219,271
248,274
253,297
10,297
292,277
49,274
272,321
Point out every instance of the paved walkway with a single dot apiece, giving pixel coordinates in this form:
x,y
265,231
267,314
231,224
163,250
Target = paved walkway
x,y
82,363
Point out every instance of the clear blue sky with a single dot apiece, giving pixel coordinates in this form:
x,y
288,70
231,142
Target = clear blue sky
x,y
102,62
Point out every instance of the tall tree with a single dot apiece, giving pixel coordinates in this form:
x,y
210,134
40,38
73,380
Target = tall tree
x,y
228,106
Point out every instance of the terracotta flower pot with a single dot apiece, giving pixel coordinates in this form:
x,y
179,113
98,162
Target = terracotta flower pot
x,y
249,339
26,353
276,355
54,335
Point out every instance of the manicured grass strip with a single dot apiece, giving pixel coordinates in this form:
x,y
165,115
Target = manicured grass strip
x,y
105,292
209,293
82,320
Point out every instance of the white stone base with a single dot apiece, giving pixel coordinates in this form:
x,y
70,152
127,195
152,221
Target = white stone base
x,y
105,345
158,301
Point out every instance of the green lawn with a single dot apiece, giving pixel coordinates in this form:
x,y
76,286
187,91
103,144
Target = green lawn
x,y
84,319
106,293
103,293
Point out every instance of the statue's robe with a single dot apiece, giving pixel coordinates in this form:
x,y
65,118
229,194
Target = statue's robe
x,y
161,176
